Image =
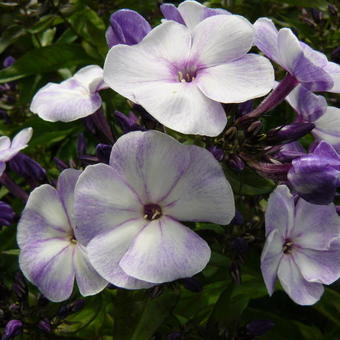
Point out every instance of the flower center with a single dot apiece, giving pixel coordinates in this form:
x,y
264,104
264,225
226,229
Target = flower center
x,y
186,76
287,247
152,211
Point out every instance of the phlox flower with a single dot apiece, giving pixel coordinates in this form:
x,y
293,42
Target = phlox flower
x,y
310,68
9,149
128,212
181,76
74,98
50,255
302,247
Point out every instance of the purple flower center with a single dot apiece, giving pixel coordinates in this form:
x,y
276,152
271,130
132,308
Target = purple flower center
x,y
287,247
152,211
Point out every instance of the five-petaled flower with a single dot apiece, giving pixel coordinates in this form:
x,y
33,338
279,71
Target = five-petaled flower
x,y
128,212
302,246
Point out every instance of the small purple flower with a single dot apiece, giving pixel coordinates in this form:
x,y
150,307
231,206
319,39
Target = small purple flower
x,y
9,61
128,212
6,214
315,176
12,329
10,149
311,68
126,27
74,98
189,13
51,257
302,246
183,87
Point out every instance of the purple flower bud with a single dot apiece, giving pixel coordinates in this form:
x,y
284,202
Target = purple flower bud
x,y
81,145
19,286
317,15
259,327
236,163
45,326
71,308
217,152
276,172
61,165
192,284
290,151
288,133
245,107
97,122
12,329
126,27
27,167
103,152
316,176
6,214
128,122
9,61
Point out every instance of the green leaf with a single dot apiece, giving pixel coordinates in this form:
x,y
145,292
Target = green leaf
x,y
45,59
329,305
9,36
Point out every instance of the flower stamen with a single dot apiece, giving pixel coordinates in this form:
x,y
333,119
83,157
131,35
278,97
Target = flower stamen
x,y
152,212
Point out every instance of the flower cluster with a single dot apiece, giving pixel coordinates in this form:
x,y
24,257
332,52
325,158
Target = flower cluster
x,y
118,217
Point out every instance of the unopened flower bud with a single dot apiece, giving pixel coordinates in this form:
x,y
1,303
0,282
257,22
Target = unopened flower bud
x,y
6,214
71,308
61,165
45,326
81,145
128,122
9,61
12,329
217,152
317,15
103,152
236,163
20,287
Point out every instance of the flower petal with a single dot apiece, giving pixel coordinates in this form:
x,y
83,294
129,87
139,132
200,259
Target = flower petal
x,y
43,218
102,201
65,102
319,266
106,250
280,211
270,259
91,77
65,187
170,12
202,193
48,265
2,167
333,70
249,77
315,225
299,290
164,251
5,143
20,140
88,280
221,39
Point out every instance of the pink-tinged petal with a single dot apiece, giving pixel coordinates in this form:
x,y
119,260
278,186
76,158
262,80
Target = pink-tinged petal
x,y
315,225
65,187
5,143
202,193
91,77
106,250
193,12
102,201
44,217
249,77
327,127
322,266
299,290
266,36
65,102
221,39
183,108
270,259
333,70
48,265
127,68
280,211
151,162
2,167
88,280
164,251
307,104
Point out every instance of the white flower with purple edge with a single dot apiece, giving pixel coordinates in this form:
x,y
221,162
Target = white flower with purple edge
x,y
74,98
128,212
9,149
50,256
180,76
311,68
302,247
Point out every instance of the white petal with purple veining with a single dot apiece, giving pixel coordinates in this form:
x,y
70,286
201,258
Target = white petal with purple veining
x,y
249,77
91,77
334,71
165,250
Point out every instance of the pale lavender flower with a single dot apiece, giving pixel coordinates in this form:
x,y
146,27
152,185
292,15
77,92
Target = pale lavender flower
x,y
9,149
316,176
311,68
189,13
180,76
74,98
128,212
302,247
51,257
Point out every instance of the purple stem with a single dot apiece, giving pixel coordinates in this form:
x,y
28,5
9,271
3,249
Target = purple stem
x,y
275,98
13,188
